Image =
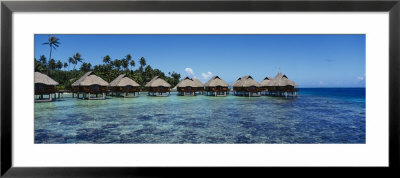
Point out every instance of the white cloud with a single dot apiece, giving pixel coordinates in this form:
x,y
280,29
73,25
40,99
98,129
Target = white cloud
x,y
206,76
189,72
360,78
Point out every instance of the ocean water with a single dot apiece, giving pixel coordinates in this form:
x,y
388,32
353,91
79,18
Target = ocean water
x,y
317,115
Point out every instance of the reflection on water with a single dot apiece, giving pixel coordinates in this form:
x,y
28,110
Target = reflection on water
x,y
316,116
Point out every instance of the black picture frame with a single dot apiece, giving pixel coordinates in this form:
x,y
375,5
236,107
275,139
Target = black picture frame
x,y
8,7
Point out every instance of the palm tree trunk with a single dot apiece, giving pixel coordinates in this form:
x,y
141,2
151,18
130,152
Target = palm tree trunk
x,y
51,49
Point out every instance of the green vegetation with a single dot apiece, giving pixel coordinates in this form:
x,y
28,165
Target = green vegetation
x,y
53,43
109,70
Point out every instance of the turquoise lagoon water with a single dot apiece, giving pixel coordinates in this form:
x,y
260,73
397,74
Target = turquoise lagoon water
x,y
318,115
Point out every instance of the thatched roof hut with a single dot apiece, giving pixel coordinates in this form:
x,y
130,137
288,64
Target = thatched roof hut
x,y
246,86
280,85
157,86
89,84
266,82
122,81
44,79
216,87
189,85
216,81
90,79
125,85
281,80
188,82
157,82
44,85
245,81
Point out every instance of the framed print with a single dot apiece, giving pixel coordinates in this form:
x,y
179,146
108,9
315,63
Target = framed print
x,y
104,88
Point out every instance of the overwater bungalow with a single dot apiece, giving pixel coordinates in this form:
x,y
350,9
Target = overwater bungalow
x,y
280,85
189,86
158,87
216,87
265,84
44,85
124,85
88,85
246,86
200,85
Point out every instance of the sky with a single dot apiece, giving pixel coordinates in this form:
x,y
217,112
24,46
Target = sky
x,y
309,60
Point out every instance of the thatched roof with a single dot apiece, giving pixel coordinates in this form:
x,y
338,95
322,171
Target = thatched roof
x,y
281,80
157,82
90,79
234,84
188,82
216,81
44,79
122,81
198,82
77,82
266,82
245,81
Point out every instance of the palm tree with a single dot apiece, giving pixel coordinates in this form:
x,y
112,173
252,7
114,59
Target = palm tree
x,y
72,61
59,65
52,64
65,65
175,75
125,63
86,67
43,60
53,42
149,69
128,57
107,59
77,57
40,66
142,63
117,63
132,64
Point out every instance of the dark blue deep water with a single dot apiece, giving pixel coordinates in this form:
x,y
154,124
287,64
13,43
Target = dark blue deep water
x,y
317,115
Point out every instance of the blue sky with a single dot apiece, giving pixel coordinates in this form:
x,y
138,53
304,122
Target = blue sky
x,y
309,60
